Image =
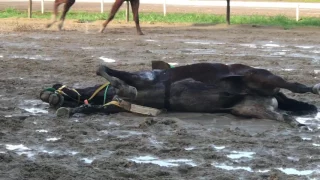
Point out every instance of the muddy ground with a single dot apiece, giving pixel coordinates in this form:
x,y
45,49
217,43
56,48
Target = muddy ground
x,y
35,144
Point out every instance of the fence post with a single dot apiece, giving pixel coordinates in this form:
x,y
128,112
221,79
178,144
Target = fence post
x,y
297,12
228,12
127,11
30,9
102,4
42,6
164,8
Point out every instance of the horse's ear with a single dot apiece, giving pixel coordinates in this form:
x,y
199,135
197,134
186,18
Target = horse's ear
x,y
160,65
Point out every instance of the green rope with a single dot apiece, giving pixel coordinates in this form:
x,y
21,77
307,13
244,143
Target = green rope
x,y
105,95
50,89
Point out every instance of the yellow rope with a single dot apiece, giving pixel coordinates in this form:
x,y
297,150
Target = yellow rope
x,y
116,103
98,90
92,96
74,90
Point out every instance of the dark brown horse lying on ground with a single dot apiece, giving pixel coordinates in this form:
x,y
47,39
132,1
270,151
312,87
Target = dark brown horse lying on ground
x,y
68,3
237,89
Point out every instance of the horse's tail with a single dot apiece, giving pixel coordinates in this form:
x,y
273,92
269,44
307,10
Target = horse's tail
x,y
294,106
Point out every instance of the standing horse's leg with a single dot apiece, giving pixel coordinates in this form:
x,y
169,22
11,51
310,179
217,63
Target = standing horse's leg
x,y
66,8
113,11
135,10
55,11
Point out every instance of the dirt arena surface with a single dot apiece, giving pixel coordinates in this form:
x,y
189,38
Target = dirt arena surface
x,y
35,144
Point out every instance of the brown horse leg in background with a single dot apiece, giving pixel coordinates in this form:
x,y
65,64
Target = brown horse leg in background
x,y
135,10
67,6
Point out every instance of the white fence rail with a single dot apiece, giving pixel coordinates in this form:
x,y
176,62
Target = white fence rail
x,y
216,3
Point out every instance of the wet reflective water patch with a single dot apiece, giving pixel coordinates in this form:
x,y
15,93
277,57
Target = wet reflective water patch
x,y
240,154
254,46
292,171
34,107
107,60
227,167
53,139
218,147
293,158
198,51
87,48
310,121
162,162
151,40
31,57
201,42
154,142
42,131
31,152
189,148
87,160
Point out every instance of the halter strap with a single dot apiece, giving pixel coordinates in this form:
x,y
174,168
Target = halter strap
x,y
74,90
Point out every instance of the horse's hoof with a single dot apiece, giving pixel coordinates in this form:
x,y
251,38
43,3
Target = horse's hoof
x,y
133,92
293,123
63,112
140,33
56,100
44,95
101,30
100,70
316,89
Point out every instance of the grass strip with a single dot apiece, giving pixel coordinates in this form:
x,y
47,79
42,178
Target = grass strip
x,y
195,18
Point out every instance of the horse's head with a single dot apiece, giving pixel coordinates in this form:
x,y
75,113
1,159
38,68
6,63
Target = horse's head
x,y
60,95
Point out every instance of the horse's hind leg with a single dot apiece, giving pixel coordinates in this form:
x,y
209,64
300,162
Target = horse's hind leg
x,y
263,108
124,89
294,86
55,12
113,11
263,80
135,10
66,8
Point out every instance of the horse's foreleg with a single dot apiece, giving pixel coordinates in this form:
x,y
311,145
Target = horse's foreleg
x,y
88,109
113,11
124,89
135,10
55,12
66,8
138,79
